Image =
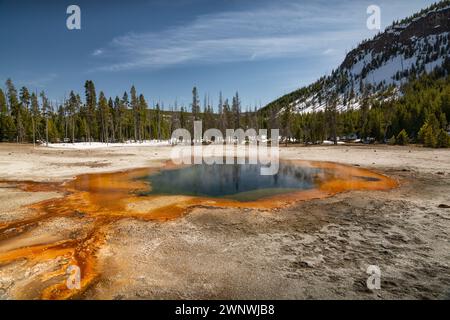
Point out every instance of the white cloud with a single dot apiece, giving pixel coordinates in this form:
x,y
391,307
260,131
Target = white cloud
x,y
329,51
97,52
40,82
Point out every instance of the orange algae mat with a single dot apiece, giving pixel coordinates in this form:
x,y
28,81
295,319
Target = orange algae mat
x,y
108,197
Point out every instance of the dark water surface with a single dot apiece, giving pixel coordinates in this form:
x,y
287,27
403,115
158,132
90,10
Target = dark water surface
x,y
240,182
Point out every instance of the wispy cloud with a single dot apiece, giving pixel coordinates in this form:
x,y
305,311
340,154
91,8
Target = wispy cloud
x,y
266,33
329,51
40,82
97,52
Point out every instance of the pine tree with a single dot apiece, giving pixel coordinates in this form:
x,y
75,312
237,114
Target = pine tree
x,y
117,119
124,122
46,112
221,115
208,117
104,116
331,111
73,109
7,128
182,118
429,137
143,108
273,122
15,109
34,115
402,138
364,113
236,111
134,103
158,122
111,123
195,105
24,112
286,122
91,106
228,122
443,139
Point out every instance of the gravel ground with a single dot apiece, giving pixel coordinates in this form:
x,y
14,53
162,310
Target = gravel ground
x,y
317,249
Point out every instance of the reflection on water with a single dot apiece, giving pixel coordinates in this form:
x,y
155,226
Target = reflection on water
x,y
236,181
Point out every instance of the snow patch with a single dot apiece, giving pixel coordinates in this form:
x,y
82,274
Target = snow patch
x,y
100,145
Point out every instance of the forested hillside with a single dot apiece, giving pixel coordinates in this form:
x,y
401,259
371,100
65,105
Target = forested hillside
x,y
421,115
392,88
407,49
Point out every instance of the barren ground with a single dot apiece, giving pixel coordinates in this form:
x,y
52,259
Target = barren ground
x,y
313,249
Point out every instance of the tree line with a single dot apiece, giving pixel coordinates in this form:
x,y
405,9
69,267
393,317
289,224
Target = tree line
x,y
31,117
420,115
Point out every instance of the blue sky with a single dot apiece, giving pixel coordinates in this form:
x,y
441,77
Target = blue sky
x,y
261,48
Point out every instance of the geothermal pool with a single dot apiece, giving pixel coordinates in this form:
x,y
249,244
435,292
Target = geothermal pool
x,y
241,182
97,201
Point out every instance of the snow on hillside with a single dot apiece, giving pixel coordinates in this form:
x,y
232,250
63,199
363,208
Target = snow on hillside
x,y
378,67
394,71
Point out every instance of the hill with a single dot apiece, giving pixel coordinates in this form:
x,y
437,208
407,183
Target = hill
x,y
379,67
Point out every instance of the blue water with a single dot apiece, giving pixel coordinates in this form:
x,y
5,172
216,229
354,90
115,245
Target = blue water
x,y
235,181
